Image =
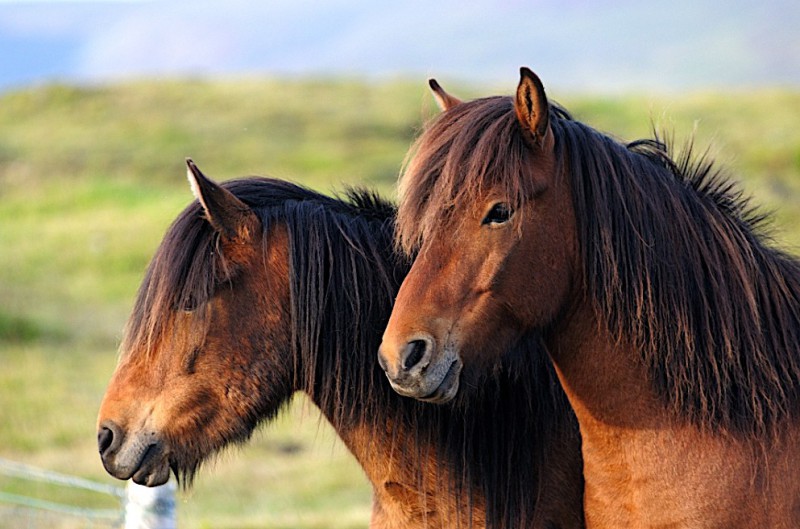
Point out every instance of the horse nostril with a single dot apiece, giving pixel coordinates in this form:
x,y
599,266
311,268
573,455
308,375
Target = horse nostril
x,y
415,350
108,436
104,439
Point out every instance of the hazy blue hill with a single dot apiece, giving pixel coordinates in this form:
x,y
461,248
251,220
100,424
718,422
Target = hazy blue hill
x,y
574,44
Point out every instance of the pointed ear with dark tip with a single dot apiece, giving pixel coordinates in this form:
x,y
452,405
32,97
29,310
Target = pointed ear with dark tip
x,y
232,218
531,106
444,100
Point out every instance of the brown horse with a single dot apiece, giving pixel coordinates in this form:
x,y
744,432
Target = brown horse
x,y
673,326
261,289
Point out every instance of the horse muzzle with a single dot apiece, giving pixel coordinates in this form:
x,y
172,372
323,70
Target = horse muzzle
x,y
415,370
141,457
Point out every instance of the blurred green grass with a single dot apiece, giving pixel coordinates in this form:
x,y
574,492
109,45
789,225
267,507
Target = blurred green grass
x,y
90,178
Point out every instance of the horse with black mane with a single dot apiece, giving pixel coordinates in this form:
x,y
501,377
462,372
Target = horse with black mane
x,y
261,289
672,322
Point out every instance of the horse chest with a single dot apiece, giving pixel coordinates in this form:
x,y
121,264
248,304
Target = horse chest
x,y
679,478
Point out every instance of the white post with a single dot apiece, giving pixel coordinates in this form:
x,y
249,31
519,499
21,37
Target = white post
x,y
150,507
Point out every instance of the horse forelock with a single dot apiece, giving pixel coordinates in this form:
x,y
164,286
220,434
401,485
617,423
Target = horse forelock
x,y
461,155
180,277
679,263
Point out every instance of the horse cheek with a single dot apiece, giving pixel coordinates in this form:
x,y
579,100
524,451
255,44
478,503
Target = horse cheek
x,y
540,276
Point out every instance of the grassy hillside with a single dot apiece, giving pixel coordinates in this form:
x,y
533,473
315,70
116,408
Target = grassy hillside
x,y
91,177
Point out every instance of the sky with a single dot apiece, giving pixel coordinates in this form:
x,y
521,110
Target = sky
x,y
577,45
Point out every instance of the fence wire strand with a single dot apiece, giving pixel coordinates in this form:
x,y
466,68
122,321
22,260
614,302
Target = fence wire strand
x,y
26,511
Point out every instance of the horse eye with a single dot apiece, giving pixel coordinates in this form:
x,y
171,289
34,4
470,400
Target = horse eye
x,y
190,305
499,214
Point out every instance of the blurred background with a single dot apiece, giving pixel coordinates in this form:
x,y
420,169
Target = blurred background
x,y
101,101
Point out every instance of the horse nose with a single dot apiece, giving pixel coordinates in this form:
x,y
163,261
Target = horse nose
x,y
109,438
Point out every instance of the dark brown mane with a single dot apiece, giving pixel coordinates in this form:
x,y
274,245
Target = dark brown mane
x,y
672,254
344,277
718,308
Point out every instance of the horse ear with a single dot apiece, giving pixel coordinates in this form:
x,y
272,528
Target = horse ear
x,y
231,217
444,100
531,106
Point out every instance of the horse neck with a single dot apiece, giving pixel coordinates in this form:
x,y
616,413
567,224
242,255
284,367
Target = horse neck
x,y
405,466
603,377
607,387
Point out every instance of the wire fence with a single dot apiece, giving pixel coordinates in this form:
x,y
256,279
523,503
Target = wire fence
x,y
131,507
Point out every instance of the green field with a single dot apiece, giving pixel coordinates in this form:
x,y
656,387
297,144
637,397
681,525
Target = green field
x,y
91,177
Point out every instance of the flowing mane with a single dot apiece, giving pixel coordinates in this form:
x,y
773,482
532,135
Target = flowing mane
x,y
344,275
672,255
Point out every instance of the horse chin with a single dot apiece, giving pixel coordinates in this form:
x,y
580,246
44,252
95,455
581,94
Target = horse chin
x,y
448,387
444,389
186,460
142,459
152,475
